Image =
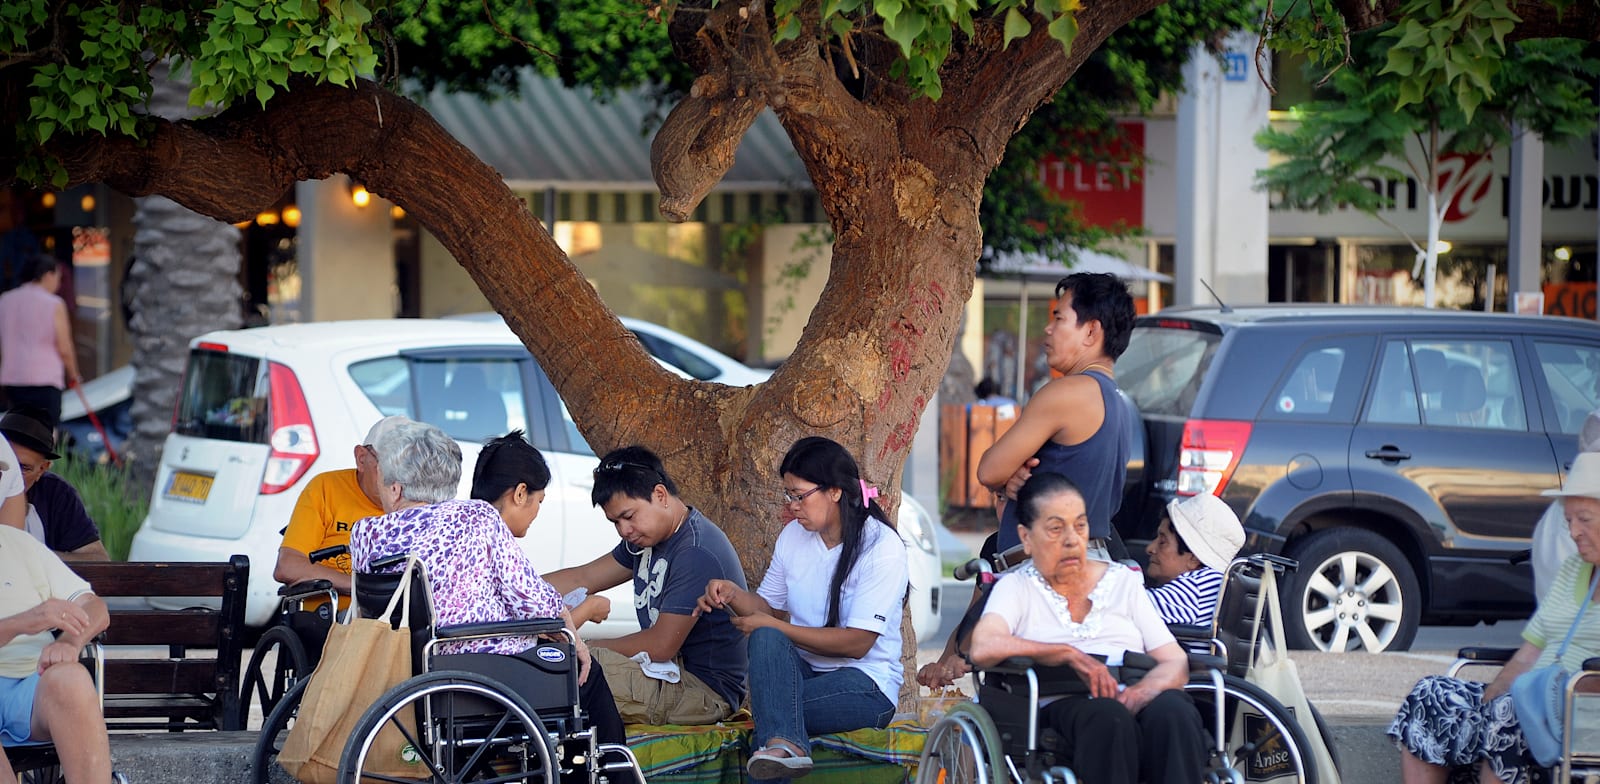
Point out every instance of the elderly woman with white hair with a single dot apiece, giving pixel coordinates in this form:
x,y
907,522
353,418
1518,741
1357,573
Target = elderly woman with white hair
x,y
477,571
1551,542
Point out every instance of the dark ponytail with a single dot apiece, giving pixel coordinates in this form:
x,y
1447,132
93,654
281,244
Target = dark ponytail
x,y
825,463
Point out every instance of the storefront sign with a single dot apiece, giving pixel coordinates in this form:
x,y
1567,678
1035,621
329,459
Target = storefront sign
x,y
1476,193
1111,192
1570,299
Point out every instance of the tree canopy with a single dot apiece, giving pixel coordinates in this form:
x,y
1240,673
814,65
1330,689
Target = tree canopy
x,y
1384,108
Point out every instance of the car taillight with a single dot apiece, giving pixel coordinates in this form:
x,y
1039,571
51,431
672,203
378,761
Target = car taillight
x,y
293,439
1208,455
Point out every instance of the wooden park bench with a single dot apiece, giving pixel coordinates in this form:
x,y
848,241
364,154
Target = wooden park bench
x,y
180,691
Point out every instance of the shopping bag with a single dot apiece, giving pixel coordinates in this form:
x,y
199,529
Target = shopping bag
x,y
1275,673
363,658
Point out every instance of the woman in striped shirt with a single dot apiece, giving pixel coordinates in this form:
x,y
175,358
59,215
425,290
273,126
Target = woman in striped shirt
x,y
1188,557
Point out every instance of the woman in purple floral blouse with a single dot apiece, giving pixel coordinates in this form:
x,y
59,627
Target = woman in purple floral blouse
x,y
476,569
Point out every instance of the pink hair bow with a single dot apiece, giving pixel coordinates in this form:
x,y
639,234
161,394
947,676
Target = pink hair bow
x,y
868,492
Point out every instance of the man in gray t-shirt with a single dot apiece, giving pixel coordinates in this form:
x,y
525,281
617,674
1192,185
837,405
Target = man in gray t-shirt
x,y
678,668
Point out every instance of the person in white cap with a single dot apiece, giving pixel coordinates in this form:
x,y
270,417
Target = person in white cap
x,y
1189,555
1552,543
326,511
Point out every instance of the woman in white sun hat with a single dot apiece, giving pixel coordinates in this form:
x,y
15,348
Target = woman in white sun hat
x,y
1552,544
1189,555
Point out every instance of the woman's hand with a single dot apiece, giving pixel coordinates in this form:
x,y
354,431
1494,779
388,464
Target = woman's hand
x,y
719,595
752,622
1092,671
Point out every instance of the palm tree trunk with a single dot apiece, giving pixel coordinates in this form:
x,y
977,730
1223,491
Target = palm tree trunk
x,y
184,282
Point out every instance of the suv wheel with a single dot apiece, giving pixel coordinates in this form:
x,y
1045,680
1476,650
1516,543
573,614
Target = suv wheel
x,y
1354,590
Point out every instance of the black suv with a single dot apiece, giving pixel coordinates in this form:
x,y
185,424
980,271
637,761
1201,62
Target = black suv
x,y
1398,454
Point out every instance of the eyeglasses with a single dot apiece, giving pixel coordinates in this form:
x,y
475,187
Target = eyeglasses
x,y
788,498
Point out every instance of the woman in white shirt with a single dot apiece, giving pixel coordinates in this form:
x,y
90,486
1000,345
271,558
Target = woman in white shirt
x,y
1065,609
824,627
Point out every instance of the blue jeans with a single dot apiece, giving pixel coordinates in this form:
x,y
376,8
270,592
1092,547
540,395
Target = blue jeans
x,y
792,702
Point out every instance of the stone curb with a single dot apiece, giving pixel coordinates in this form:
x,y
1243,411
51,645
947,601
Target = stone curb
x,y
1365,755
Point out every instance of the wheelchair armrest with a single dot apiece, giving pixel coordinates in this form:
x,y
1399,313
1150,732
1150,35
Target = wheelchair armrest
x,y
305,588
1016,665
1187,631
1486,655
1201,662
524,628
1591,665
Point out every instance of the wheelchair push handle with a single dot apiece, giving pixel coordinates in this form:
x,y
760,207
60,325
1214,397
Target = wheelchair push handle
x,y
389,561
973,568
1278,563
328,553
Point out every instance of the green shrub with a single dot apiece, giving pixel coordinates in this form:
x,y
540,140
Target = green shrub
x,y
105,494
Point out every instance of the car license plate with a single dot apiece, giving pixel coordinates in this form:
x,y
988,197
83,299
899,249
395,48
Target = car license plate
x,y
184,486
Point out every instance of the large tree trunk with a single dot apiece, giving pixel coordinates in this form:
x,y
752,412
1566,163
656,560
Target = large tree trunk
x,y
184,282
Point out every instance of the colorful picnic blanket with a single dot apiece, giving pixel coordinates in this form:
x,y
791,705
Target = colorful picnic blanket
x,y
717,753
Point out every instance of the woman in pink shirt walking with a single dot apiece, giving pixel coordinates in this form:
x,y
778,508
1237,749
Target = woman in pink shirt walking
x,y
37,359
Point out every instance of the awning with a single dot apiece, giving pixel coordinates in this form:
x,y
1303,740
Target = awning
x,y
1039,266
549,136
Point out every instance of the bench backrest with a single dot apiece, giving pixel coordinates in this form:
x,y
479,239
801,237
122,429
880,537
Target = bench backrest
x,y
183,691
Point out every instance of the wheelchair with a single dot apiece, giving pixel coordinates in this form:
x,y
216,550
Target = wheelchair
x,y
291,646
477,717
1576,764
1248,729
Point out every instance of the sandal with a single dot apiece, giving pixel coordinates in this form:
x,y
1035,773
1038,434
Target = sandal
x,y
778,762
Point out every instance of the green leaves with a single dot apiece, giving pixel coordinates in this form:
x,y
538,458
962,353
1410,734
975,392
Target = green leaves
x,y
252,48
924,30
1451,49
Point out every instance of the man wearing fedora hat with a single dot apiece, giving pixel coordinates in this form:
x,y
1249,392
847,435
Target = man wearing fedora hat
x,y
55,512
1189,555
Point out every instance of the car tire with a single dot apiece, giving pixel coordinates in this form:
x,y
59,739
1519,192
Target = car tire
x,y
1354,590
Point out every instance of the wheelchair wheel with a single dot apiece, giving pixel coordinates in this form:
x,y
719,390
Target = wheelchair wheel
x,y
963,747
468,727
1260,736
274,730
265,686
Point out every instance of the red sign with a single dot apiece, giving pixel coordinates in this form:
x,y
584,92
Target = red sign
x,y
1569,299
1110,192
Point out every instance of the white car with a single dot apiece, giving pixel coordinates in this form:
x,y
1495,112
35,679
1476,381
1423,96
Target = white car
x,y
263,410
693,358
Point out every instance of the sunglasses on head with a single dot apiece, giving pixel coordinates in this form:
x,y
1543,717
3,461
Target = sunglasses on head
x,y
619,466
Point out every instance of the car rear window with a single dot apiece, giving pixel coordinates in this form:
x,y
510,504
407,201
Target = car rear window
x,y
224,397
473,399
1164,366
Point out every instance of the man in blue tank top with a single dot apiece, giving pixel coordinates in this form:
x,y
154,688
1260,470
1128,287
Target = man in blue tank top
x,y
1077,425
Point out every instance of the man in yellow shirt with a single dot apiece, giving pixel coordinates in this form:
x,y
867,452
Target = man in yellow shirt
x,y
326,511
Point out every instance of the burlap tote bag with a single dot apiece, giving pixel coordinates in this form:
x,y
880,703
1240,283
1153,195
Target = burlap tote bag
x,y
364,658
1277,675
